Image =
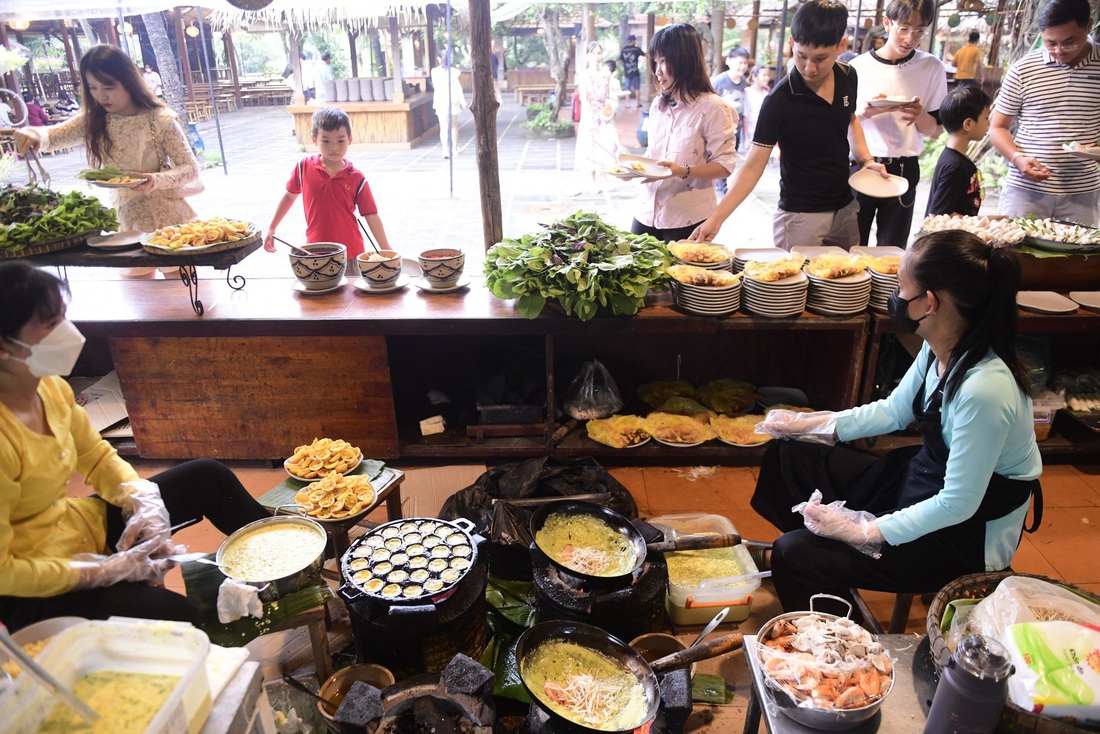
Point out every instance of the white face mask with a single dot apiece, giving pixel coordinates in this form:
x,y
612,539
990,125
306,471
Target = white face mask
x,y
57,353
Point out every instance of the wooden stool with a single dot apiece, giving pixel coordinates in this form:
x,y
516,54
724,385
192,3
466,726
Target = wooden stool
x,y
316,620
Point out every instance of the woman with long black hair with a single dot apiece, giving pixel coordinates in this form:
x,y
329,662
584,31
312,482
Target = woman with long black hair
x,y
692,131
918,517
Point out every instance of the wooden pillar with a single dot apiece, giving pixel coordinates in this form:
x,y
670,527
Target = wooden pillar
x,y
485,121
433,55
77,51
354,55
754,24
717,33
9,78
395,60
234,72
589,26
28,69
69,60
650,29
181,48
112,33
296,67
878,12
998,31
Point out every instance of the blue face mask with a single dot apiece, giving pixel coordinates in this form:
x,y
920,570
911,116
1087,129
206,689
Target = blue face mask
x,y
898,309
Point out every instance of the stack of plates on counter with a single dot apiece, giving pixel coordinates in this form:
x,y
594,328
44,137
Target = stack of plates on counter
x,y
720,265
707,300
777,298
845,296
742,255
882,284
811,251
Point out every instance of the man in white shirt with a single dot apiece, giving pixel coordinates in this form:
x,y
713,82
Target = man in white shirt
x,y
324,76
895,135
5,114
153,81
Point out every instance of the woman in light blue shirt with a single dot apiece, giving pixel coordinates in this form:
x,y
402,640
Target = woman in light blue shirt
x,y
921,516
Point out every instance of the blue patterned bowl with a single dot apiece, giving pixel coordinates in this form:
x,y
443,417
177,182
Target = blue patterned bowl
x,y
380,273
442,267
323,268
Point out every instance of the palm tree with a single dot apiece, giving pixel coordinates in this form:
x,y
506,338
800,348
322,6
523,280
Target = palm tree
x,y
166,64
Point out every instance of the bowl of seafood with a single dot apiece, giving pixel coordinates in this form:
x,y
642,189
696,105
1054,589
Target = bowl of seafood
x,y
414,560
824,671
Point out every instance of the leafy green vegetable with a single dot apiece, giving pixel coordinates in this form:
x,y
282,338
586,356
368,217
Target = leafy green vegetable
x,y
101,174
582,262
706,688
33,215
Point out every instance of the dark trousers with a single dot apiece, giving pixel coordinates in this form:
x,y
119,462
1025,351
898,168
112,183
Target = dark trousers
x,y
192,491
894,215
665,235
804,564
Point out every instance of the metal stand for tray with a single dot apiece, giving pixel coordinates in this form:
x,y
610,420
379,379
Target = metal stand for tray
x,y
86,256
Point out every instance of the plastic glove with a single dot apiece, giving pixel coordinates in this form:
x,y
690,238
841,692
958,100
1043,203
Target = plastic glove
x,y
819,427
145,513
857,528
135,564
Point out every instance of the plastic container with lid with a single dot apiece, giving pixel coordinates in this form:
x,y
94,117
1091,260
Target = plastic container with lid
x,y
697,604
127,645
1043,408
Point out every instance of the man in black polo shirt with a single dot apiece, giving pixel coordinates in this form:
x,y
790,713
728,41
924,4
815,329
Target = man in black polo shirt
x,y
810,115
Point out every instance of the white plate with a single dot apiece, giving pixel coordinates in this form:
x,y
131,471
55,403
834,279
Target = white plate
x,y
856,280
774,314
759,254
402,281
307,292
410,265
1088,152
623,173
811,251
640,443
744,445
894,101
462,282
720,265
679,445
835,312
297,478
877,251
699,311
116,240
1045,302
105,185
651,169
1088,299
871,183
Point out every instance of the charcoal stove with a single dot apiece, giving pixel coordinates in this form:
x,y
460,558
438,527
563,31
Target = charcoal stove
x,y
673,712
625,607
423,637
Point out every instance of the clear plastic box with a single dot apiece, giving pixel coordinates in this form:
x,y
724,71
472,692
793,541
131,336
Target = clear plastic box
x,y
699,604
1043,408
138,646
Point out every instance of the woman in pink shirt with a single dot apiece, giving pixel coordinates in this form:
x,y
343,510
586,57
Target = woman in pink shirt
x,y
691,131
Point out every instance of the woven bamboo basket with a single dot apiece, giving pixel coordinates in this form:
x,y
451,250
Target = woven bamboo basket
x,y
978,586
73,240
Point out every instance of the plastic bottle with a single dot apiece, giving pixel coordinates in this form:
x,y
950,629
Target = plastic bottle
x,y
972,689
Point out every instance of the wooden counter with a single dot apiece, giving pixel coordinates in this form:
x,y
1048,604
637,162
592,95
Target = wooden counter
x,y
266,369
376,125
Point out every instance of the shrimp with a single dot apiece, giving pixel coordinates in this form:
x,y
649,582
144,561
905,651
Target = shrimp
x,y
850,698
555,692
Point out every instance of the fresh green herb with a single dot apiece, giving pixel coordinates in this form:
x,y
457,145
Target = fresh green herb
x,y
33,215
101,174
582,262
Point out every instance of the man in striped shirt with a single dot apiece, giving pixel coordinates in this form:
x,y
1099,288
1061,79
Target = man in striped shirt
x,y
1055,93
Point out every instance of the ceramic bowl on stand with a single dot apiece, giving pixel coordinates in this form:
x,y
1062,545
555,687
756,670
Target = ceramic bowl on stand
x,y
322,268
380,269
442,267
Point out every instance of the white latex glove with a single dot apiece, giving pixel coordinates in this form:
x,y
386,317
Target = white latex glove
x,y
819,427
145,513
857,528
135,564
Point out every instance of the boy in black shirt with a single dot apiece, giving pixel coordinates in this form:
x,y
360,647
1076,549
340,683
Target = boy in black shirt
x,y
631,75
811,116
957,183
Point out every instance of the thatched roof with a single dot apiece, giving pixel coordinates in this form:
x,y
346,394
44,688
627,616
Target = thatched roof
x,y
297,16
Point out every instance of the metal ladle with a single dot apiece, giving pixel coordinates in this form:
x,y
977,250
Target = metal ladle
x,y
296,250
295,683
37,672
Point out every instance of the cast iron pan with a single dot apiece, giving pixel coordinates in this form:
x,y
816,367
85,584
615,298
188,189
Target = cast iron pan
x,y
597,640
626,529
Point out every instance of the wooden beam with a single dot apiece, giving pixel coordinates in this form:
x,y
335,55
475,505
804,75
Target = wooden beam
x,y
429,33
296,68
70,60
9,78
395,60
589,25
755,26
181,48
484,108
112,33
234,73
998,31
651,83
354,55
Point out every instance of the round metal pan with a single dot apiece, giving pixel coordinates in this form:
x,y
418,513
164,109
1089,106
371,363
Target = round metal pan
x,y
620,525
595,639
296,581
815,717
352,590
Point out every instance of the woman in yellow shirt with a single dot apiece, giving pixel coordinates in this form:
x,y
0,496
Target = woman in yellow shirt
x,y
95,556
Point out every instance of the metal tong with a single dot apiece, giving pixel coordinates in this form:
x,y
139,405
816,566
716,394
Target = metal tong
x,y
33,179
37,672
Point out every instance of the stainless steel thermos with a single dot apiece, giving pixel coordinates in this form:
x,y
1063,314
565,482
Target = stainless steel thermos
x,y
973,689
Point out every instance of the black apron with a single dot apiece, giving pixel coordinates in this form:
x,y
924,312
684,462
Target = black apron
x,y
927,466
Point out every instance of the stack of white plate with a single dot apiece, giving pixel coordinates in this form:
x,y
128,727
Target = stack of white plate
x,y
839,296
882,285
720,265
707,300
760,254
777,298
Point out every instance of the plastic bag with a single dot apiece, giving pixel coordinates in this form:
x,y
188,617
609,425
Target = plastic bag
x,y
1019,599
1055,669
593,393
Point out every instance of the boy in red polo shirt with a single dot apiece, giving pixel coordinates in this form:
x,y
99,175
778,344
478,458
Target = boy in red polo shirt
x,y
332,189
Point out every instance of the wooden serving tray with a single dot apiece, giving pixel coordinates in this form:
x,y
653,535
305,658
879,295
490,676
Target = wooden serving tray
x,y
73,240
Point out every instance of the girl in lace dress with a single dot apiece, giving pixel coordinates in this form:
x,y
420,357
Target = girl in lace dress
x,y
122,124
